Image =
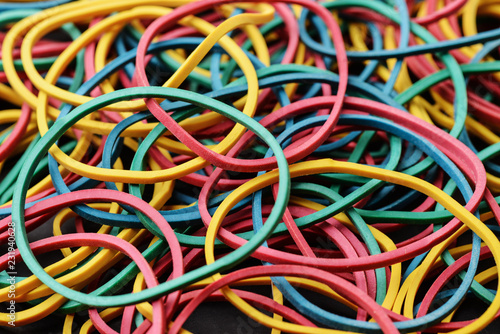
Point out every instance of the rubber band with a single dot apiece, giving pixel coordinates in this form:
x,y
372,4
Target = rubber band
x,y
341,155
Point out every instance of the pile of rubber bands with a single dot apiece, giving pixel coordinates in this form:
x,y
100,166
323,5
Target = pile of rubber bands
x,y
319,166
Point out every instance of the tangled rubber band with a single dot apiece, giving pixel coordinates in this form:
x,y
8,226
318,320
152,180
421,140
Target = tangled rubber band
x,y
296,166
